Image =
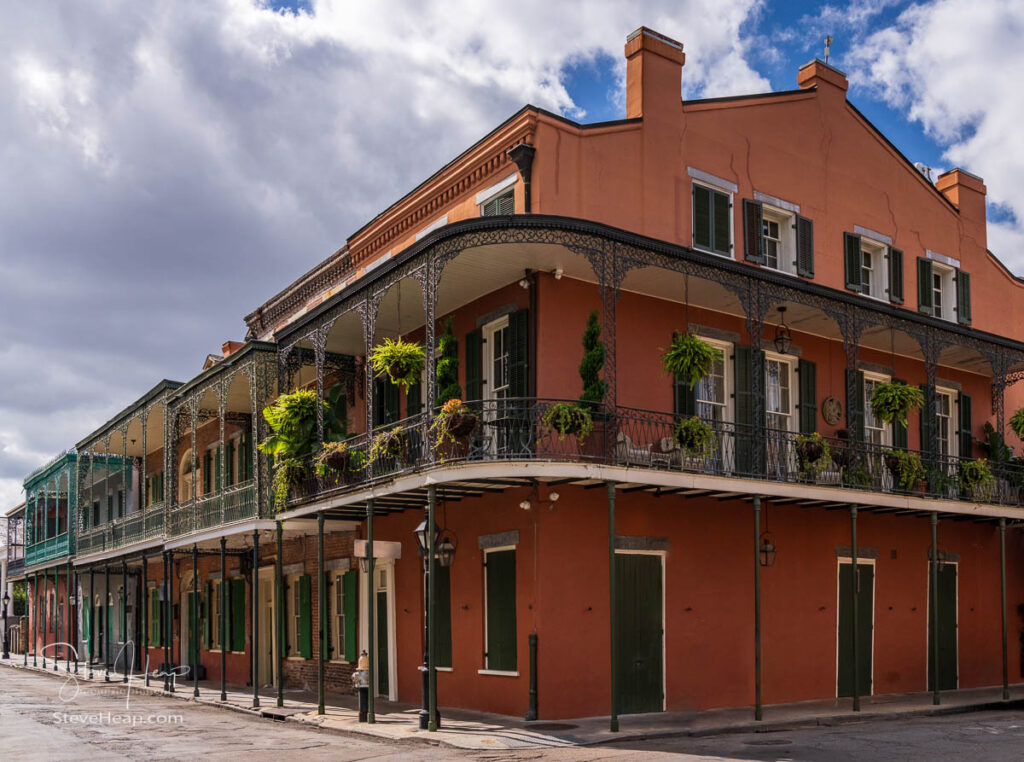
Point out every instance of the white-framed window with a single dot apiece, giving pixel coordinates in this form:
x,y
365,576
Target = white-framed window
x,y
945,421
943,292
876,431
712,219
874,269
497,359
779,392
498,199
214,609
713,392
295,616
338,620
779,238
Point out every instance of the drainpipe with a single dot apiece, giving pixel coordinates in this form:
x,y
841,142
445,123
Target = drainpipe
x,y
432,720
522,154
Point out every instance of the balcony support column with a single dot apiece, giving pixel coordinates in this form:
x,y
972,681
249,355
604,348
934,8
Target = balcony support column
x,y
193,405
255,619
67,612
613,724
223,621
371,645
124,618
106,624
125,474
851,328
144,605
321,615
194,621
855,595
755,304
92,617
1002,610
222,406
757,608
429,288
368,312
74,627
934,607
319,338
142,475
168,624
278,610
45,607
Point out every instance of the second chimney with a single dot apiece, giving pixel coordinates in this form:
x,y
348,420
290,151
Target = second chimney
x,y
654,71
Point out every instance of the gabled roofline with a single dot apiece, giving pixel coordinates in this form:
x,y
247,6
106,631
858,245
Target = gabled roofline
x,y
229,361
163,386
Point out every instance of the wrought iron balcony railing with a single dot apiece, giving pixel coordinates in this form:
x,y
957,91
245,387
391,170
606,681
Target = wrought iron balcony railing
x,y
47,550
235,503
515,429
123,531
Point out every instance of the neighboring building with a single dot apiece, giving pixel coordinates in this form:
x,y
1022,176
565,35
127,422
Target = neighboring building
x,y
704,217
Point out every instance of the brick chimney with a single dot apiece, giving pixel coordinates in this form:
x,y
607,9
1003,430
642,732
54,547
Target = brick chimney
x,y
831,82
967,193
654,71
229,347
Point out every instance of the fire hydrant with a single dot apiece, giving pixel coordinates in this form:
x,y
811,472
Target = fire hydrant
x,y
361,681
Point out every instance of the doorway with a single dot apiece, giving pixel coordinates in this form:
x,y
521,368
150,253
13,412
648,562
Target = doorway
x,y
640,632
865,581
383,613
267,630
947,628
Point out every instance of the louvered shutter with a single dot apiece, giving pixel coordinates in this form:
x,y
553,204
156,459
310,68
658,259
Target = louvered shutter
x,y
963,297
351,601
966,428
742,365
684,396
443,618
86,623
412,400
519,352
207,471
218,484
206,618
230,460
808,372
701,216
507,204
855,406
895,276
305,618
722,242
853,262
474,365
925,294
752,233
899,430
237,614
927,423
324,634
804,247
500,578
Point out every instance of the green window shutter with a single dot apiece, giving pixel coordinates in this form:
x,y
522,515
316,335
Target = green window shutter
x,y
378,402
207,468
325,626
722,229
899,430
963,297
927,424
895,276
207,620
305,618
351,601
519,353
966,428
854,276
474,365
925,294
230,460
443,617
244,457
86,623
702,216
685,397
216,468
808,372
501,610
855,406
412,400
743,393
155,632
391,413
753,249
237,604
804,247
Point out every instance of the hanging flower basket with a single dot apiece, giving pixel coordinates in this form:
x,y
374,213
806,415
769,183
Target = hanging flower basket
x,y
568,419
392,445
453,421
813,454
689,358
891,402
400,360
906,469
976,479
695,438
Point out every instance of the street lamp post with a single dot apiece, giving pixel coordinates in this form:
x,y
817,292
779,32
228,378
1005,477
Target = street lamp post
x,y
444,553
7,642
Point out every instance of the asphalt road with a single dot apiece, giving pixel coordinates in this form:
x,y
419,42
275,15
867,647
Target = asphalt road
x,y
41,718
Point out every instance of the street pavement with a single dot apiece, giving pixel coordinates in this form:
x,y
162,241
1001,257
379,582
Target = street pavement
x,y
43,717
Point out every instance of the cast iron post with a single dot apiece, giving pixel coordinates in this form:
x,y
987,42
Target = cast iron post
x,y
195,621
371,643
1002,611
855,588
935,608
223,622
614,722
320,594
757,608
278,607
255,618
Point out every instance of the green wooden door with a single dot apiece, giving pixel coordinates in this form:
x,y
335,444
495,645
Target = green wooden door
x,y
865,625
194,607
639,632
948,668
383,688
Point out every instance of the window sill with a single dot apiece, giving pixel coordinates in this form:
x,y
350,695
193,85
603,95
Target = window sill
x,y
714,253
497,672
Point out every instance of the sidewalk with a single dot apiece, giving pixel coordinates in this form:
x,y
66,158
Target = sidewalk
x,y
476,730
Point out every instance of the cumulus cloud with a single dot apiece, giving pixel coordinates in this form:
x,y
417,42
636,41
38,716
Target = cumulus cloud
x,y
165,167
953,66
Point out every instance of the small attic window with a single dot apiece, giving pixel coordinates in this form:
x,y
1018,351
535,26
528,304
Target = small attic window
x,y
499,205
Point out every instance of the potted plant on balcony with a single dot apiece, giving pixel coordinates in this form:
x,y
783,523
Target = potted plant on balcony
x,y
338,457
293,422
447,371
568,419
906,468
891,402
696,439
400,360
390,445
1017,423
813,455
454,422
976,479
590,370
689,358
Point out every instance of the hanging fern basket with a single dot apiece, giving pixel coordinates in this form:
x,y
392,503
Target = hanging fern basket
x,y
400,360
891,402
689,358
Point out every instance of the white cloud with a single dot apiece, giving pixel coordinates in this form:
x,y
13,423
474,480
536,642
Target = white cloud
x,y
954,66
165,167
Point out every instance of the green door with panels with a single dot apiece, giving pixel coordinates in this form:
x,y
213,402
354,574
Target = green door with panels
x,y
948,667
639,632
383,686
865,626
